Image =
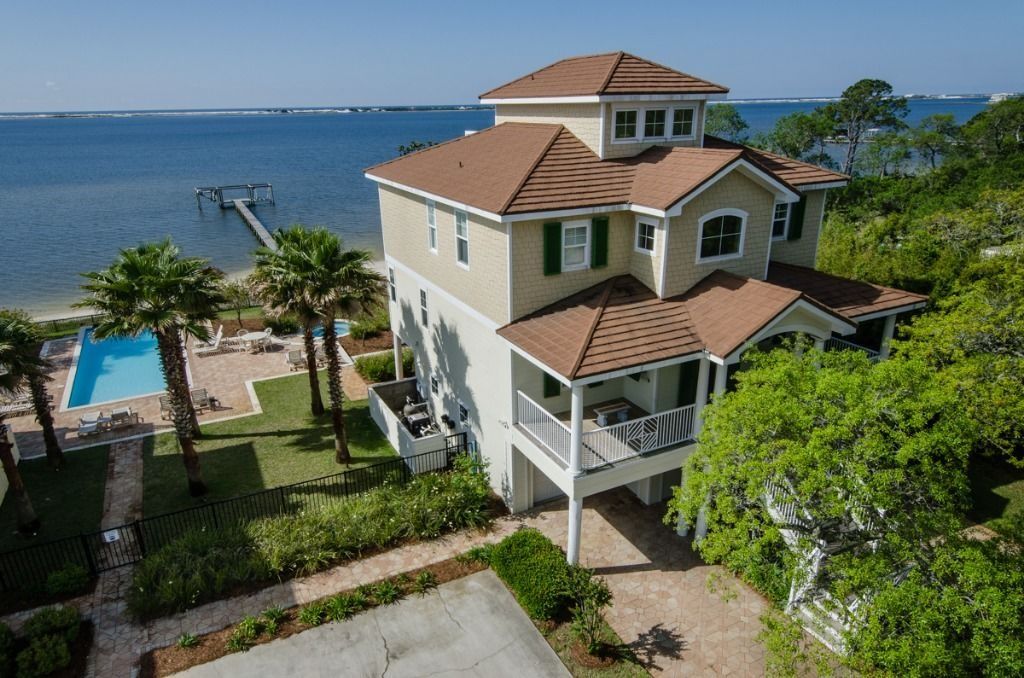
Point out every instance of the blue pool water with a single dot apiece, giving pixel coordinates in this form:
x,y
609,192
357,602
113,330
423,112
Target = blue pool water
x,y
115,369
340,328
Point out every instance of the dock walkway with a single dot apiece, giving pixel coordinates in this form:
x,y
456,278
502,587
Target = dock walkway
x,y
254,224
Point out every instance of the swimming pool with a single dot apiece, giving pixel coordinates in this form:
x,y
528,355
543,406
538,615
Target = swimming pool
x,y
341,328
114,369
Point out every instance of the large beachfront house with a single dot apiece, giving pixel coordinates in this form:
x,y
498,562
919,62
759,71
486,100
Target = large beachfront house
x,y
579,279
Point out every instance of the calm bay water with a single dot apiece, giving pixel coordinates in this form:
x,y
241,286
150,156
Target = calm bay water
x,y
74,190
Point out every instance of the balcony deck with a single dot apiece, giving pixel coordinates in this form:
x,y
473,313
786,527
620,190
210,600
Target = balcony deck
x,y
590,413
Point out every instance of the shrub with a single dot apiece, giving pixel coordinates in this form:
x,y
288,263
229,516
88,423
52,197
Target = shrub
x,y
61,621
274,614
370,325
187,640
424,581
590,595
282,325
478,554
43,656
342,606
69,580
6,648
313,614
205,565
379,367
535,570
387,593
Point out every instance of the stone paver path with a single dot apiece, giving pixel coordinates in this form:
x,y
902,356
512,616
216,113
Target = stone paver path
x,y
122,498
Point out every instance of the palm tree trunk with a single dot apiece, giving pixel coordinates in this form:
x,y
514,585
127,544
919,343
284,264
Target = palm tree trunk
x,y
28,522
182,412
193,417
316,400
341,452
42,406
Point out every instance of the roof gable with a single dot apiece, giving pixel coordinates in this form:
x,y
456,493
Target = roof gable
x,y
598,74
794,172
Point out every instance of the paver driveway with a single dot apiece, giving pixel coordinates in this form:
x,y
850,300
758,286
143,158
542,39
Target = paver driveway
x,y
471,626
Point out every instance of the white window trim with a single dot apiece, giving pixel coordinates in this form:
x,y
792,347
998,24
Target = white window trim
x,y
432,226
693,125
641,120
424,308
785,230
462,406
636,235
638,131
568,268
435,385
725,212
392,284
455,226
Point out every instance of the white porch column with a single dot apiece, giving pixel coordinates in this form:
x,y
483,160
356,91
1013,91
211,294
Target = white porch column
x,y
576,433
819,344
702,395
701,529
887,334
721,375
572,549
396,346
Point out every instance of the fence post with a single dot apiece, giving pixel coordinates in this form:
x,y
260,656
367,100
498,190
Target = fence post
x,y
281,497
89,559
139,539
213,514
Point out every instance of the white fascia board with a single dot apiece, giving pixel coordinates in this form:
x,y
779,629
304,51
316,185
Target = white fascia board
x,y
778,325
539,364
636,369
436,198
822,186
891,311
583,99
595,98
583,211
781,191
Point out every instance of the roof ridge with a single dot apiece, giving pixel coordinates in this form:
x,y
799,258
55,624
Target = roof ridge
x,y
601,306
557,132
542,69
611,71
674,70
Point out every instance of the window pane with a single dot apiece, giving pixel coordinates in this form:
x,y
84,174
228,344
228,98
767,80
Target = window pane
x,y
781,210
432,237
575,256
654,123
625,124
576,236
779,228
682,122
430,214
463,251
730,244
709,247
731,225
713,227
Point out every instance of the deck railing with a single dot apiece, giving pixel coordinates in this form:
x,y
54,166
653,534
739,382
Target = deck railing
x,y
610,444
542,425
837,344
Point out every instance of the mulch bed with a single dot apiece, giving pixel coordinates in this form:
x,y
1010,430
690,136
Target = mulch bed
x,y
168,660
381,342
16,601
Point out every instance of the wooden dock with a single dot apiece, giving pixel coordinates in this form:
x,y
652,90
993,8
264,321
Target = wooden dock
x,y
257,228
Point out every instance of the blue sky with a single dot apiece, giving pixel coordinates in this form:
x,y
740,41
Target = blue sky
x,y
102,55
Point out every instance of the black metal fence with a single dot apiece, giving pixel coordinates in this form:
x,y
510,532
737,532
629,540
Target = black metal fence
x,y
28,568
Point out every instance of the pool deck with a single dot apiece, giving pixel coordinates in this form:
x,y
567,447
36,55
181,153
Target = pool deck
x,y
225,376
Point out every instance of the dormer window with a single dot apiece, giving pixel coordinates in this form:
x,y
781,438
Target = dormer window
x,y
721,235
682,122
625,124
654,123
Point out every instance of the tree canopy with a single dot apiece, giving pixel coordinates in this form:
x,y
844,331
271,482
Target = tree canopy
x,y
724,120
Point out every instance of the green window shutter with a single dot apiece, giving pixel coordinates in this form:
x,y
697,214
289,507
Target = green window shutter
x,y
796,219
552,387
599,249
552,248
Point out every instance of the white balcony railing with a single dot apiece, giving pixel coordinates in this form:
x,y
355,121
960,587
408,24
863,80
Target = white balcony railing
x,y
837,344
612,443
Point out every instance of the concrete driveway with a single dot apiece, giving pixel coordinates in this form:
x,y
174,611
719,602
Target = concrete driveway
x,y
468,627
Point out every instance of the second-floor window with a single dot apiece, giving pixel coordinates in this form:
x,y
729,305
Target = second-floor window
x,y
721,235
654,123
645,236
575,247
780,220
625,124
682,122
431,226
461,238
424,317
391,284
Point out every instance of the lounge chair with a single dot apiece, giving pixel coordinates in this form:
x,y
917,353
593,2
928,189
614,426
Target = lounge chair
x,y
212,348
296,361
92,424
16,409
214,337
202,400
124,416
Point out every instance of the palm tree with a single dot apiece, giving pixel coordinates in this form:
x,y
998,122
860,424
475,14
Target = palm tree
x,y
152,288
280,281
11,353
24,366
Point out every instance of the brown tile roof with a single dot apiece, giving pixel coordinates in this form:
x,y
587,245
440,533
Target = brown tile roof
x,y
850,298
611,73
793,172
515,168
621,323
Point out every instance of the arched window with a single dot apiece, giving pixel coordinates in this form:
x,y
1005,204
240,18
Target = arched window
x,y
721,234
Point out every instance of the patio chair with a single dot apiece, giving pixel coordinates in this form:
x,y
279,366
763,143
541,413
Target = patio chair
x,y
296,361
321,356
16,409
124,416
202,400
211,348
92,424
214,337
165,407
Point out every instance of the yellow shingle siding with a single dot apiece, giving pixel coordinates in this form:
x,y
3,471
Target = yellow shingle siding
x,y
802,251
483,286
583,120
735,191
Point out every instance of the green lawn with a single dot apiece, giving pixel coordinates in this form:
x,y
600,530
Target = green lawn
x,y
997,490
283,445
67,502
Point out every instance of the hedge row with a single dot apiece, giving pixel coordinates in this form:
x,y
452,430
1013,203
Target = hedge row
x,y
378,367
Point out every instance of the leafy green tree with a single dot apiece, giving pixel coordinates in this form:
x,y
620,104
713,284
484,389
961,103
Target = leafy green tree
x,y
152,288
960,612
238,295
803,136
413,146
12,354
998,130
23,366
886,154
724,120
873,456
867,104
934,137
